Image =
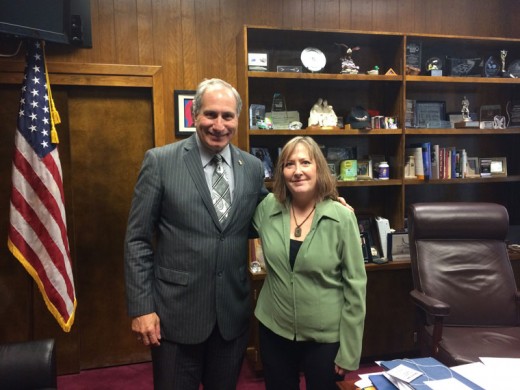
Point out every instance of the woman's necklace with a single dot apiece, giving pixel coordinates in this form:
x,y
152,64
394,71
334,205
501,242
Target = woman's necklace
x,y
298,229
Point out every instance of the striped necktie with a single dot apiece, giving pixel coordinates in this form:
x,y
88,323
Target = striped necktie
x,y
220,189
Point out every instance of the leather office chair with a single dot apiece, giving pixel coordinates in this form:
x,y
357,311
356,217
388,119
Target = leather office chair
x,y
463,281
28,365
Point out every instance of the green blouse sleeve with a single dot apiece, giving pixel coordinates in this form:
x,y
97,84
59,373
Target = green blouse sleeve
x,y
354,290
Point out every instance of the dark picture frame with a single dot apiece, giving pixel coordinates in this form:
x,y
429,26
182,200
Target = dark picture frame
x,y
398,246
369,236
429,112
263,155
182,104
473,167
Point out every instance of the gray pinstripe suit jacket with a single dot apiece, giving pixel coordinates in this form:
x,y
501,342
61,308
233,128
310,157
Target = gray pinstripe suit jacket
x,y
179,262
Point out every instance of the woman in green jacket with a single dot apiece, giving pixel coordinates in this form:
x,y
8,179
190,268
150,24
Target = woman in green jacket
x,y
312,305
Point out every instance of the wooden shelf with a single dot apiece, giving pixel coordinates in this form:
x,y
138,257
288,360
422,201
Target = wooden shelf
x,y
319,132
464,132
468,180
472,80
324,76
369,183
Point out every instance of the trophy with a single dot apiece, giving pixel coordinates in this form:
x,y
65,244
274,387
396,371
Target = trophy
x,y
465,109
466,121
503,54
347,64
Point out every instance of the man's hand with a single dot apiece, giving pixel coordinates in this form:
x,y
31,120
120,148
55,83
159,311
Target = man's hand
x,y
344,203
148,329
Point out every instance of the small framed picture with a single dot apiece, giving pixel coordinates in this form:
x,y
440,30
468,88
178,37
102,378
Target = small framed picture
x,y
398,246
498,166
184,121
332,167
365,247
428,113
368,231
485,167
257,62
488,112
263,155
472,167
364,168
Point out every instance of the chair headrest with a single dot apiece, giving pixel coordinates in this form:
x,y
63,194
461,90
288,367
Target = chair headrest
x,y
462,220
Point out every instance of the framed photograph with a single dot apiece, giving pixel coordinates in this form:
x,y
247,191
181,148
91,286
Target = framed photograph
x,y
332,167
263,155
364,170
428,114
498,166
472,167
257,62
488,112
398,246
184,121
369,235
365,247
485,167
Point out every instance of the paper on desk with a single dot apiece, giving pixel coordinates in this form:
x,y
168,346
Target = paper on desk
x,y
365,381
404,373
495,374
502,364
446,384
401,376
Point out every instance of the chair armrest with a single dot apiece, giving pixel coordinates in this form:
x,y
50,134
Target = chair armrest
x,y
430,305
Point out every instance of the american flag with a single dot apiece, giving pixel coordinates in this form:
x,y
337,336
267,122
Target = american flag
x,y
37,234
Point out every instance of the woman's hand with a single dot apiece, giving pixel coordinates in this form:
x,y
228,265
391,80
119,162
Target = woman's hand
x,y
340,371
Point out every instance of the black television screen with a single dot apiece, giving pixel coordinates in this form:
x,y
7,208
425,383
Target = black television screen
x,y
61,21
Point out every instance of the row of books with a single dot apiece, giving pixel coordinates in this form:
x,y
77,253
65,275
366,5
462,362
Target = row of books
x,y
426,161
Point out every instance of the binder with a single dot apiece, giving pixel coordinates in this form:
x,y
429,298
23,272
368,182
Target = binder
x,y
431,368
383,228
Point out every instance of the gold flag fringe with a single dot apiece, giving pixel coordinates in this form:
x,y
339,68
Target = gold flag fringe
x,y
55,116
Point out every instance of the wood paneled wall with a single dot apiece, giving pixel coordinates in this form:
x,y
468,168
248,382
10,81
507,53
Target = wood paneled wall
x,y
190,40
195,39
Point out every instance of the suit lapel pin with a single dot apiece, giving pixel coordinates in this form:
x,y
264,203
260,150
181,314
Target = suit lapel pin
x,y
239,162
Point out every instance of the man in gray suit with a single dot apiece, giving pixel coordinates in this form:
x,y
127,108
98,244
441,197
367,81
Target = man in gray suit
x,y
185,265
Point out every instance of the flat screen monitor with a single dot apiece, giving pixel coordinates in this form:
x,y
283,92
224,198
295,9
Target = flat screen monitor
x,y
61,21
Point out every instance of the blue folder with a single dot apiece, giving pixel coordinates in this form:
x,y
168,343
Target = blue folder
x,y
381,383
431,368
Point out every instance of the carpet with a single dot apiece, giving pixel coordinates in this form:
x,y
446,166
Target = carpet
x,y
139,377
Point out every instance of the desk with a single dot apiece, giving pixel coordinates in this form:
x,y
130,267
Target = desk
x,y
347,385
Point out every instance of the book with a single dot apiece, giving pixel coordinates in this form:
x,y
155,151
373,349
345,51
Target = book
x,y
426,158
464,164
442,161
453,162
431,369
417,152
435,162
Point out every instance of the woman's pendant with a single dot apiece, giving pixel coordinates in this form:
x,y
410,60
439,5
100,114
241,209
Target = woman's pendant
x,y
297,232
